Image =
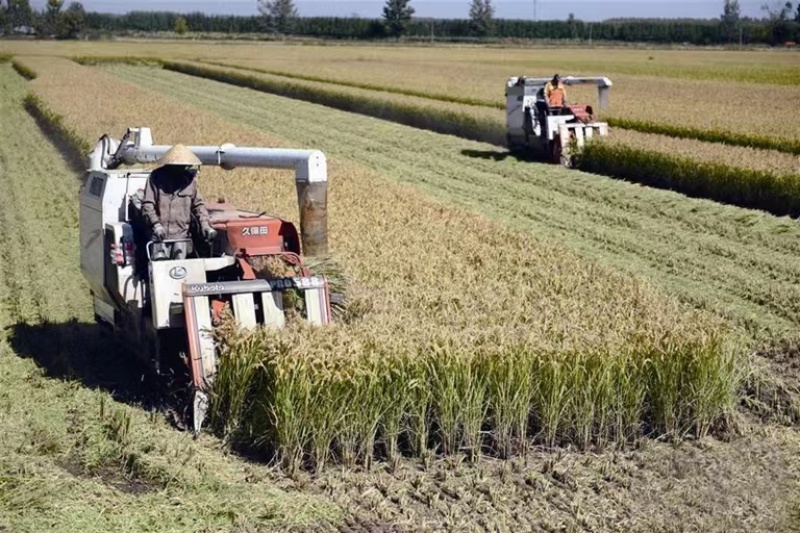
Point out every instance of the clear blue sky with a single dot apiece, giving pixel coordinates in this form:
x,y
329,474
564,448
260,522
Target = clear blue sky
x,y
546,9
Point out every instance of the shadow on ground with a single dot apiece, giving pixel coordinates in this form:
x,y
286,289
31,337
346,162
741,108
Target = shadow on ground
x,y
90,354
501,155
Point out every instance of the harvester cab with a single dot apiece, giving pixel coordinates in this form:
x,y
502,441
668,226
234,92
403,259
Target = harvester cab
x,y
533,125
167,303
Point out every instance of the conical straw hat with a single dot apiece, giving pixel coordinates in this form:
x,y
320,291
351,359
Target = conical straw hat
x,y
179,155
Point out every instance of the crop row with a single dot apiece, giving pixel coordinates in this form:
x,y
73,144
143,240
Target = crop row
x,y
749,185
690,112
743,187
561,349
728,256
723,134
23,71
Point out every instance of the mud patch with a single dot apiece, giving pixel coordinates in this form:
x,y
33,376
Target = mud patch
x,y
772,391
743,485
109,476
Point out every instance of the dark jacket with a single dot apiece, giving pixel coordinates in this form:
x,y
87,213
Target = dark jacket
x,y
171,197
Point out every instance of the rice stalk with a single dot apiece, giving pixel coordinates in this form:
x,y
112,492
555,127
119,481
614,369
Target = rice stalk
x,y
510,380
551,395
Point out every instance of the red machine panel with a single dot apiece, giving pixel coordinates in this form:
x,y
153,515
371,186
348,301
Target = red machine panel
x,y
251,233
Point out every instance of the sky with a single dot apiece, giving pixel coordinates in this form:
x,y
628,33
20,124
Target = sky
x,y
522,9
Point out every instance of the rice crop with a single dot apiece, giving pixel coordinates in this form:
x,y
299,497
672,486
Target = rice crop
x,y
668,128
686,93
700,103
697,173
741,176
461,298
788,146
738,263
756,67
777,163
471,123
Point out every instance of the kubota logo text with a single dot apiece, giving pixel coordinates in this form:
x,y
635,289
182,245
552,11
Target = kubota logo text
x,y
253,231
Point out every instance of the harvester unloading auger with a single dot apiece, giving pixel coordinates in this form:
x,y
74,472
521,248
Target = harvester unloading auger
x,y
532,124
168,306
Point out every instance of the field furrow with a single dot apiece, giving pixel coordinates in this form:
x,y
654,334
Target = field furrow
x,y
737,262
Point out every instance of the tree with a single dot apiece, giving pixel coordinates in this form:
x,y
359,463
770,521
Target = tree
x,y
4,19
47,23
572,25
72,22
778,21
18,13
779,12
181,26
797,15
397,15
481,13
279,14
730,18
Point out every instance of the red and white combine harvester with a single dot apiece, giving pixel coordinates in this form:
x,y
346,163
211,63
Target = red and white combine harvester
x,y
533,125
168,306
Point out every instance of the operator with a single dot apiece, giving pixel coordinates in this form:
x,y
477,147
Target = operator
x,y
555,92
171,197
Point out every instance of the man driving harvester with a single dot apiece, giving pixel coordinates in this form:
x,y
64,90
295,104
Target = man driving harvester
x,y
555,92
171,199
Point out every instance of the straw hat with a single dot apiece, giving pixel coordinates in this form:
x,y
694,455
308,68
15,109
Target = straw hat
x,y
179,155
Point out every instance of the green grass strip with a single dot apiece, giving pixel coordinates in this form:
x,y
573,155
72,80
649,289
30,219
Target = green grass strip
x,y
779,195
681,132
429,118
5,58
93,61
71,144
23,70
761,142
452,99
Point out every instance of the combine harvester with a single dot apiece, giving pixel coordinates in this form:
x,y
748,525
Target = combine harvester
x,y
534,126
167,307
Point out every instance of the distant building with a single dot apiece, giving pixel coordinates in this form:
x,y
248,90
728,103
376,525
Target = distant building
x,y
23,30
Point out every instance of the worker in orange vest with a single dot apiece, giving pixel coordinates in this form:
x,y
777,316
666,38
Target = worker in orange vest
x,y
555,92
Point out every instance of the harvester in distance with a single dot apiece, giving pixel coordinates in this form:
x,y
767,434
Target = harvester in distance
x,y
551,132
165,304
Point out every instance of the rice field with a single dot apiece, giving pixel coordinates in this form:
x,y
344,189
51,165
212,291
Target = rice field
x,y
500,309
701,104
489,123
540,304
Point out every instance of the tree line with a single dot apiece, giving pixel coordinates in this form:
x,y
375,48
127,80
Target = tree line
x,y
780,24
17,16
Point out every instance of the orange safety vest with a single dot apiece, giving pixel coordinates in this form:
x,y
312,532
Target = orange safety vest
x,y
556,96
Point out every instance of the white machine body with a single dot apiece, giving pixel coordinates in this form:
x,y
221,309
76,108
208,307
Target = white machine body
x,y
172,300
531,124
